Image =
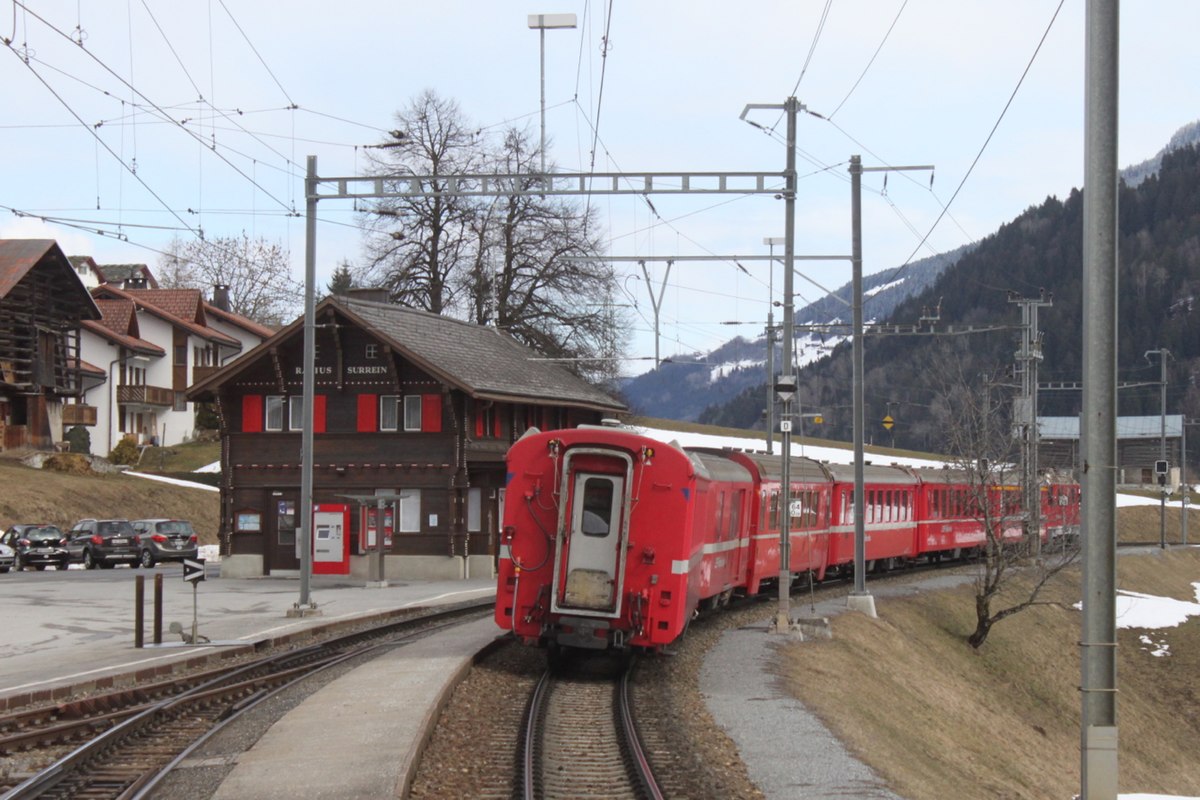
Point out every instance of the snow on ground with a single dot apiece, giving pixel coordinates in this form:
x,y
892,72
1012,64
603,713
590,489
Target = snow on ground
x,y
1150,612
176,481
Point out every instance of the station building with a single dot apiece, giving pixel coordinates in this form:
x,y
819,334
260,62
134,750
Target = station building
x,y
409,405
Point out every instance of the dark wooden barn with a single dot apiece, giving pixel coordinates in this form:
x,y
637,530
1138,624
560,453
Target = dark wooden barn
x,y
42,302
408,404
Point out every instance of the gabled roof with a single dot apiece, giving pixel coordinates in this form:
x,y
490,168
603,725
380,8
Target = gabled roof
x,y
246,324
483,362
148,299
19,256
183,303
123,339
116,273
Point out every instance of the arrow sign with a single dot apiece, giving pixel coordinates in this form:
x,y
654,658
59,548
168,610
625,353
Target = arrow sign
x,y
193,570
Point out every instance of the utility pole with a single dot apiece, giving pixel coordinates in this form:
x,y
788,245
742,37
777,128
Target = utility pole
x,y
1098,637
1025,411
1163,354
771,241
860,599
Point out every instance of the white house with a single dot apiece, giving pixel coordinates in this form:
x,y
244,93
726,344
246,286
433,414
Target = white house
x,y
149,346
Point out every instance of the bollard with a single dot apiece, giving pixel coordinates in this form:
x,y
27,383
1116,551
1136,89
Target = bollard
x,y
139,610
158,611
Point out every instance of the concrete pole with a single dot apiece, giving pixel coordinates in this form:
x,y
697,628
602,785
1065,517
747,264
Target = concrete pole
x,y
1099,417
1162,446
309,389
860,599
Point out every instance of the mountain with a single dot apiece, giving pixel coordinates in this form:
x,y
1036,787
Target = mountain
x,y
684,386
1160,241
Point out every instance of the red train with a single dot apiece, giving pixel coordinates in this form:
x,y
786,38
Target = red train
x,y
612,539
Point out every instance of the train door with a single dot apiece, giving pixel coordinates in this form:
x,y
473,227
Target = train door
x,y
592,545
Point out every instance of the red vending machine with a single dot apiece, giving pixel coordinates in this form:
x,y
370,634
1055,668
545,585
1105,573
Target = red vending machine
x,y
331,539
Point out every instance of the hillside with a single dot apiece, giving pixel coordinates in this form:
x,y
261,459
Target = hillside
x,y
43,495
1158,282
936,719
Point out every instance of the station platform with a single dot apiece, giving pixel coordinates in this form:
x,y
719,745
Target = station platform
x,y
68,634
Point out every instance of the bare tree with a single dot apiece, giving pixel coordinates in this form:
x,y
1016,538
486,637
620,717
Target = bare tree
x,y
415,244
978,437
537,271
257,272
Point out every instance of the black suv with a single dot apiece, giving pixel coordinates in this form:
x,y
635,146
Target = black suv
x,y
102,543
165,540
36,546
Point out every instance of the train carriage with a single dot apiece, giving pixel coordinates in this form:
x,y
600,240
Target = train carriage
x,y
889,513
611,539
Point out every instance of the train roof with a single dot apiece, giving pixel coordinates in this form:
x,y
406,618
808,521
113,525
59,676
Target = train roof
x,y
770,466
717,466
873,473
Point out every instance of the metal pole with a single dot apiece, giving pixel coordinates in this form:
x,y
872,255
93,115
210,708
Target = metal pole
x,y
1162,446
783,618
158,607
770,380
1099,419
310,341
139,610
542,40
1184,487
377,556
859,599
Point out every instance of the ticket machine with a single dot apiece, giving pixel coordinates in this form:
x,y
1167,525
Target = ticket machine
x,y
331,539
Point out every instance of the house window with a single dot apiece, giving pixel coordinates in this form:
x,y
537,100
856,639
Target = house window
x,y
372,351
180,402
274,406
295,413
181,354
474,510
412,412
388,409
410,510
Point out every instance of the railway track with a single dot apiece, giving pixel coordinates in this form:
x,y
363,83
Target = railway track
x,y
580,739
135,737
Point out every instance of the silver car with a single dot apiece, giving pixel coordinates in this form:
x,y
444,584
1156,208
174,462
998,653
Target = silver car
x,y
165,540
7,557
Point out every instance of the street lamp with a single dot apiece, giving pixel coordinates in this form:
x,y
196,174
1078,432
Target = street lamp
x,y
540,23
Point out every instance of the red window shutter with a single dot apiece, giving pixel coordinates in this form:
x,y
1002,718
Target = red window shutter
x,y
319,413
496,421
479,423
252,413
368,413
431,413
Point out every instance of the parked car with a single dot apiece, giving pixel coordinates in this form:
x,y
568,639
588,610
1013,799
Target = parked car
x,y
7,556
165,540
102,543
36,545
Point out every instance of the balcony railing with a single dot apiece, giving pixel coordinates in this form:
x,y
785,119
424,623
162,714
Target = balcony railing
x,y
145,395
78,414
201,373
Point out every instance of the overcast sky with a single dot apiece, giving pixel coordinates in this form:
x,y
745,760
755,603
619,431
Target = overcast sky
x,y
665,93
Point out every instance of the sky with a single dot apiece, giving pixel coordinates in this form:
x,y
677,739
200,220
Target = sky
x,y
156,120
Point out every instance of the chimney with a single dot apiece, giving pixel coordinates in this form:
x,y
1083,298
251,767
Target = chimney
x,y
220,296
369,294
135,282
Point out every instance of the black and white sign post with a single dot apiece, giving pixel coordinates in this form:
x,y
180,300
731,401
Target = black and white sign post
x,y
193,573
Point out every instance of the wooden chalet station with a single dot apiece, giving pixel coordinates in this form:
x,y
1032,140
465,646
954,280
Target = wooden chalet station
x,y
412,408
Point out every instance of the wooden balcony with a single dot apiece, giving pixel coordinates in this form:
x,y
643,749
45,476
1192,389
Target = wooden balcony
x,y
78,414
202,373
145,395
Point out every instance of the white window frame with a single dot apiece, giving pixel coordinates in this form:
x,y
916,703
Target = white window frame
x,y
474,510
408,511
296,413
273,405
372,351
389,403
411,402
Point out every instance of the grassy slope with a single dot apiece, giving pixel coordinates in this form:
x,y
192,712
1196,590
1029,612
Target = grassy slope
x,y
32,495
937,719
